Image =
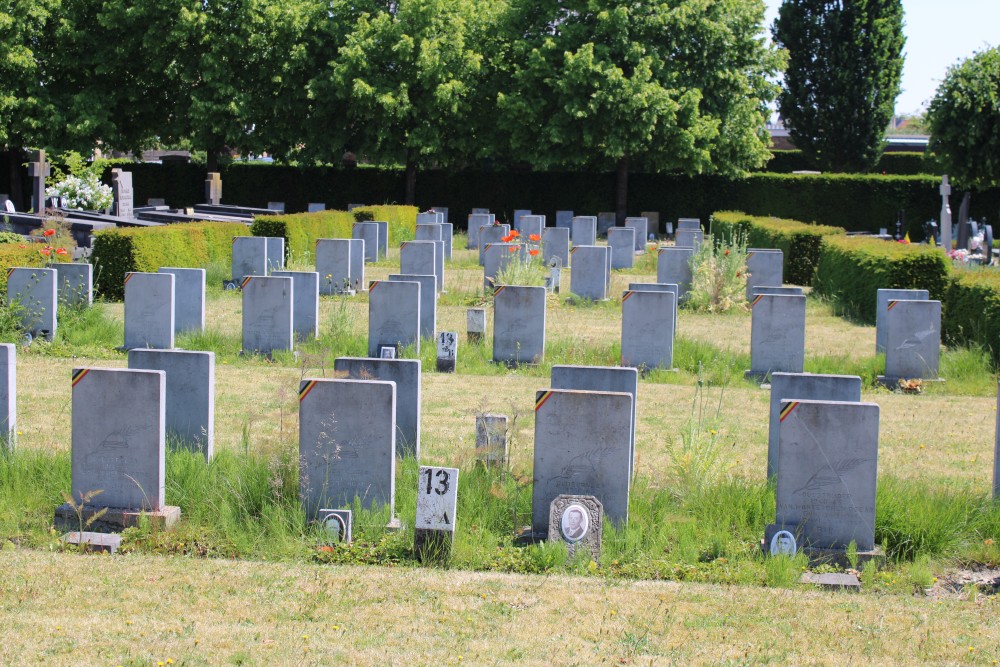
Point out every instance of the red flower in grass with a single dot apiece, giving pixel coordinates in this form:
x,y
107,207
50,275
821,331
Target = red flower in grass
x,y
515,233
507,239
533,252
535,237
45,251
22,246
49,232
62,251
726,253
512,249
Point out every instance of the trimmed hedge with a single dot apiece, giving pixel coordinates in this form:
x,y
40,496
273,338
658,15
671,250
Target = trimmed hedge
x,y
902,163
22,254
852,269
800,243
300,230
186,245
971,310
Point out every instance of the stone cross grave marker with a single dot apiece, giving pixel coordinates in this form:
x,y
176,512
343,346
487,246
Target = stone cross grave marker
x,y
491,439
621,241
368,232
305,303
121,190
405,374
578,521
584,230
393,315
249,257
437,504
648,329
589,271
447,351
333,264
882,298
555,244
36,291
764,268
213,188
38,169
8,397
777,335
673,267
912,340
189,298
428,300
518,324
267,314
149,310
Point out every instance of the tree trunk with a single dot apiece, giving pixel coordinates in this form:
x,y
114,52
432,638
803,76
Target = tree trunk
x,y
411,178
621,190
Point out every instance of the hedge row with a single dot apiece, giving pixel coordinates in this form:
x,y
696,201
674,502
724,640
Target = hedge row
x,y
903,163
18,254
972,310
300,230
190,245
800,243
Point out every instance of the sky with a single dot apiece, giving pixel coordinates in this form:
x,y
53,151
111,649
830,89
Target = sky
x,y
938,35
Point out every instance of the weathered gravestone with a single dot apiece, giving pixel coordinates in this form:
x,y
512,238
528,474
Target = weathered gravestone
x,y
605,221
555,244
428,232
275,251
448,236
333,264
776,291
673,267
518,215
564,219
189,298
764,268
491,439
688,223
428,300
305,302
190,394
532,225
584,230
827,472
912,340
405,374
315,207
653,222
489,235
588,276
447,351
808,387
581,448
267,314
121,190
475,324
660,287
437,502
383,238
36,291
149,310
621,242
393,315
689,238
347,444
358,264
641,227
367,232
249,257
577,521
8,397
777,335
882,298
648,329
496,257
122,453
518,324
213,188
476,222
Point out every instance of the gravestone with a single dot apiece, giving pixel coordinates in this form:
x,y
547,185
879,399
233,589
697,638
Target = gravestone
x,y
347,444
648,329
481,211
555,244
882,298
827,472
249,257
477,220
358,250
532,225
443,210
267,314
912,340
764,268
75,283
605,221
777,335
489,235
584,230
121,190
447,351
581,448
383,238
8,397
518,324
36,292
491,440
305,303
578,522
564,219
688,223
420,258
368,232
429,218
554,278
518,215
659,287
496,257
393,315
314,207
653,222
621,242
333,264
437,502
689,238
776,291
448,236
641,227
213,188
439,264
38,170
809,387
588,273
189,298
673,266
190,394
428,300
996,451
275,251
149,310
475,324
276,206
429,232
405,374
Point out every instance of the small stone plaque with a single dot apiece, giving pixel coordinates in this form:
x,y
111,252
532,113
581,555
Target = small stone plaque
x,y
447,351
491,439
579,522
338,525
437,502
475,324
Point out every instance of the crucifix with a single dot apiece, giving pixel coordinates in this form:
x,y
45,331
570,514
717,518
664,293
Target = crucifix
x,y
38,170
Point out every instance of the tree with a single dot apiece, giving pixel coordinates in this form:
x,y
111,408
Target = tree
x,y
845,60
964,119
680,85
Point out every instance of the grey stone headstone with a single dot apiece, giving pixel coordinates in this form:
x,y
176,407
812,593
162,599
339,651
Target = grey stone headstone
x,y
564,219
475,324
491,439
519,324
428,300
777,335
35,290
477,220
496,256
912,340
429,218
614,379
347,444
122,452
189,298
368,232
314,207
333,264
641,227
439,264
393,315
405,373
531,225
673,266
190,394
882,298
8,396
154,201
149,310
437,505
305,304
577,521
648,329
420,258
688,223
660,287
275,250
555,243
605,221
518,214
689,238
267,314
276,206
358,250
764,267
584,230
383,238
429,232
581,448
443,210
481,211
827,472
121,189
488,235
808,387
588,274
249,257
653,219
776,291
447,352
448,236
621,241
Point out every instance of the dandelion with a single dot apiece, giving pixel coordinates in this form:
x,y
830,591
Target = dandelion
x,y
535,237
49,232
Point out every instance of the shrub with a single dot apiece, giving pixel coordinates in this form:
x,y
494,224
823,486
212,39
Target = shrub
x,y
14,255
971,309
300,230
719,275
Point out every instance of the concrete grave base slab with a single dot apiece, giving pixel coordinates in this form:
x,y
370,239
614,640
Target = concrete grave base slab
x,y
834,581
115,519
820,556
94,542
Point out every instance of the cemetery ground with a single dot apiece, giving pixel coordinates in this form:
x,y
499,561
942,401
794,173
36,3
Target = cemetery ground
x,y
241,578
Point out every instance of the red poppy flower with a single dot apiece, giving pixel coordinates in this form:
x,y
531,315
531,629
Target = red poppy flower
x,y
532,252
22,246
62,251
726,253
535,237
515,233
507,239
48,232
512,249
45,251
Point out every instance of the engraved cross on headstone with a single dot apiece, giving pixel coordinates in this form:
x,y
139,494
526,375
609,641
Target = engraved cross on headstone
x,y
38,170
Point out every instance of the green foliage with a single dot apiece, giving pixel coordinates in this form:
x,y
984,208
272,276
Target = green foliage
x,y
844,68
965,120
852,269
800,243
971,310
20,254
301,230
719,275
898,164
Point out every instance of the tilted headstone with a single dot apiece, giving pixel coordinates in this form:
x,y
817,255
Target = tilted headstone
x,y
447,351
491,439
581,448
419,258
564,219
605,221
555,244
648,329
358,250
275,251
588,277
305,302
621,241
189,298
777,291
489,235
368,232
428,300
584,230
249,257
333,264
393,315
121,190
437,503
689,238
653,222
912,340
673,266
882,298
475,324
8,397
808,387
496,257
476,221
213,188
149,310
347,444
405,373
659,287
577,521
267,314
190,394
36,291
641,227
518,324
777,335
764,268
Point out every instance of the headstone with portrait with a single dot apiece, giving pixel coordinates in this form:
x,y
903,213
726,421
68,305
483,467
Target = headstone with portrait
x,y
578,522
437,502
337,526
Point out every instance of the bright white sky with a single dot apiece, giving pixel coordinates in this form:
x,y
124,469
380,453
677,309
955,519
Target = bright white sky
x,y
938,34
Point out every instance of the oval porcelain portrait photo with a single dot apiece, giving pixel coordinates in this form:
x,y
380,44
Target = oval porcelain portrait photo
x,y
575,523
